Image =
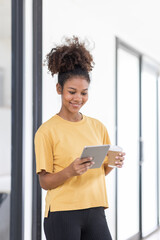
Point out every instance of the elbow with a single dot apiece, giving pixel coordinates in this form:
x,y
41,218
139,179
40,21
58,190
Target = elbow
x,y
45,181
44,186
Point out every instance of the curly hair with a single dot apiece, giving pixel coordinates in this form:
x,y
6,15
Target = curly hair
x,y
70,59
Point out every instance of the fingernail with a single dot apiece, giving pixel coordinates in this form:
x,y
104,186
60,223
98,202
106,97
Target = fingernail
x,y
90,158
116,157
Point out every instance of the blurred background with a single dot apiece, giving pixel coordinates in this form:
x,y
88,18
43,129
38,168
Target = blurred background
x,y
124,39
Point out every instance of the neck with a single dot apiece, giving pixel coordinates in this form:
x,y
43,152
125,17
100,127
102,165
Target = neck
x,y
71,117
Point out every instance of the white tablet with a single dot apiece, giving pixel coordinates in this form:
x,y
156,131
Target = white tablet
x,y
98,153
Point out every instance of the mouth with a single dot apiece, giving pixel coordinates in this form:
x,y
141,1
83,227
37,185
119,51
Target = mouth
x,y
76,105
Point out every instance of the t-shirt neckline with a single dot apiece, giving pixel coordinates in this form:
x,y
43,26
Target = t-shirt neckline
x,y
70,122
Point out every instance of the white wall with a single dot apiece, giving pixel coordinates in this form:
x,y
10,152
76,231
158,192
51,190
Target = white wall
x,y
101,100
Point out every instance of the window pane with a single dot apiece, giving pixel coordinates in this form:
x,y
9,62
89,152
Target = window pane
x,y
128,136
149,166
5,116
159,140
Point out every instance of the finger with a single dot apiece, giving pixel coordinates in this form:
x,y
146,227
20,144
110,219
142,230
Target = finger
x,y
121,158
86,165
119,164
83,160
82,170
121,154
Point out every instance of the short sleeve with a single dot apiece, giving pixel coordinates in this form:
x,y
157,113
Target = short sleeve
x,y
43,152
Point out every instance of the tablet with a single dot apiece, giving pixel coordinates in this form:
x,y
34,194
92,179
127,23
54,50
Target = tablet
x,y
98,153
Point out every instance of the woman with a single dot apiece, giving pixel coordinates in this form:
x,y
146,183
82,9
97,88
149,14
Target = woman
x,y
76,195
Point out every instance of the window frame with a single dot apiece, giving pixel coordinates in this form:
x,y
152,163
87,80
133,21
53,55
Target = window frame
x,y
37,113
16,202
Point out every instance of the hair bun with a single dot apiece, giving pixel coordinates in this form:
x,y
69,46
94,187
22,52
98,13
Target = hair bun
x,y
69,56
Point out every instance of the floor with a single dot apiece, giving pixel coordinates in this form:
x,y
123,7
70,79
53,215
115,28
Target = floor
x,y
4,216
155,236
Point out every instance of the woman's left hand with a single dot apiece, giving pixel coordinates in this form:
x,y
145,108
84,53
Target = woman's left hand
x,y
120,160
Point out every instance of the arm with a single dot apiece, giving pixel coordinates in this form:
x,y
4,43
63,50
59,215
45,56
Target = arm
x,y
107,169
53,180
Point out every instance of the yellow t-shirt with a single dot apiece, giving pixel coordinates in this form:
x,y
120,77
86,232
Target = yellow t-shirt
x,y
58,143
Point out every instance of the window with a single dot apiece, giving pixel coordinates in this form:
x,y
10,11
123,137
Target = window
x,y
137,130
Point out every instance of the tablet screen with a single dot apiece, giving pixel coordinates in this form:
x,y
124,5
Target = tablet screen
x,y
98,153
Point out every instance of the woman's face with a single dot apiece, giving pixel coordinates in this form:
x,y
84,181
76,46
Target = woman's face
x,y
74,94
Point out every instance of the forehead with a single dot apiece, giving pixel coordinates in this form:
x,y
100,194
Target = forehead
x,y
77,83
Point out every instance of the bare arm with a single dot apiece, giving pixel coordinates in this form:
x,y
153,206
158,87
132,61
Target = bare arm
x,y
107,169
53,180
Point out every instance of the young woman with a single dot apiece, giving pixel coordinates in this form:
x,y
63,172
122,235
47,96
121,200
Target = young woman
x,y
76,195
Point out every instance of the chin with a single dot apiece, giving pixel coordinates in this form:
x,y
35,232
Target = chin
x,y
75,110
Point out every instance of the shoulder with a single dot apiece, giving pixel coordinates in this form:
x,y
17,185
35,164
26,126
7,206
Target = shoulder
x,y
46,127
97,125
95,122
100,128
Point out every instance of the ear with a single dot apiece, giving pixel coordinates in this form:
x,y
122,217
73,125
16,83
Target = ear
x,y
59,88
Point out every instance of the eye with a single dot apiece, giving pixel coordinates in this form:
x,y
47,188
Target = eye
x,y
71,92
85,93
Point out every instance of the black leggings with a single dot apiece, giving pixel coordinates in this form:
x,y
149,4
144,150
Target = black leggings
x,y
85,224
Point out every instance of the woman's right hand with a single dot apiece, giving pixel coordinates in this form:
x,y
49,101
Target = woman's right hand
x,y
79,166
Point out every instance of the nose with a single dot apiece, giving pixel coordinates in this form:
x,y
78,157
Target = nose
x,y
77,97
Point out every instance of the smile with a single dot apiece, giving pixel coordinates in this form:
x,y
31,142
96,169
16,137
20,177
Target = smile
x,y
76,104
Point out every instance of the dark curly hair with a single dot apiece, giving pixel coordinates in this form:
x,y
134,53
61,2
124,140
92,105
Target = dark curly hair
x,y
70,59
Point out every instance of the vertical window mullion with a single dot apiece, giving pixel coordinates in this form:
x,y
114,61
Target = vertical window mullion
x,y
158,153
37,112
16,219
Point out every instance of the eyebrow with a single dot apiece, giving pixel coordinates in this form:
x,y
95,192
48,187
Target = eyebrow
x,y
76,89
